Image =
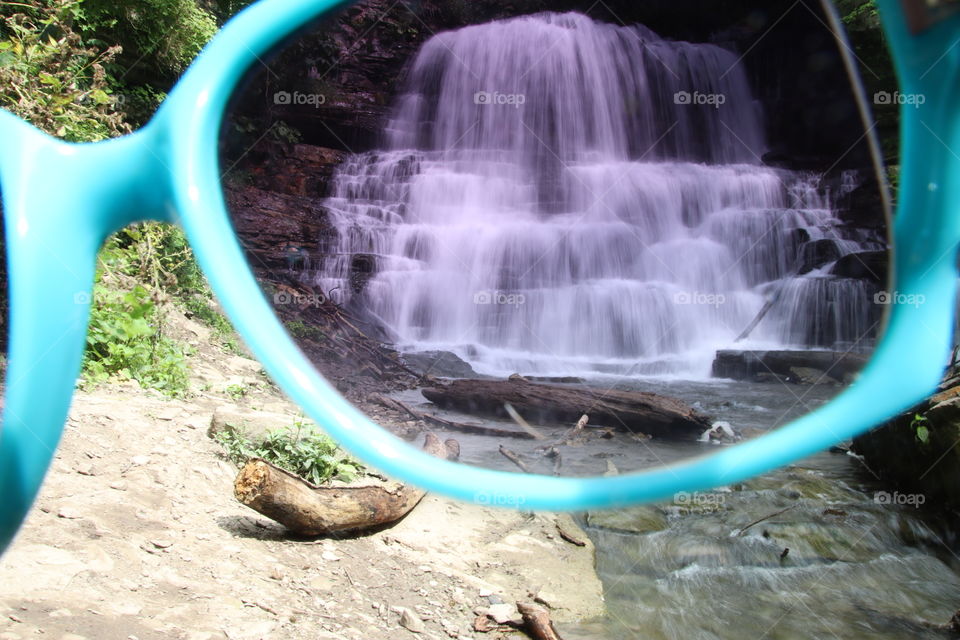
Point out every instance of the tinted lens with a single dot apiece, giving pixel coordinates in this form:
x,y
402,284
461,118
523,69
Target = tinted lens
x,y
664,220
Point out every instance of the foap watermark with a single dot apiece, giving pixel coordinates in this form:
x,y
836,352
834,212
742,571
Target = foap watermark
x,y
284,98
699,299
284,298
715,100
98,98
499,298
915,500
900,99
699,499
495,98
897,298
494,499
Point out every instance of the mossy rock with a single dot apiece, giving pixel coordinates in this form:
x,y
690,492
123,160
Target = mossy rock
x,y
633,520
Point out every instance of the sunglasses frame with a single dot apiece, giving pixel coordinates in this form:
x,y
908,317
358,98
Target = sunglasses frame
x,y
169,171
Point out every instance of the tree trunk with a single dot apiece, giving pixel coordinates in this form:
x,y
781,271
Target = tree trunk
x,y
632,411
310,510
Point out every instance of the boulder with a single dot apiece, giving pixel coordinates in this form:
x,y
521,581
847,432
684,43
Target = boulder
x,y
810,367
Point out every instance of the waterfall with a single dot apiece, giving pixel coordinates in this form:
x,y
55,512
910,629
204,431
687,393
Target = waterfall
x,y
563,196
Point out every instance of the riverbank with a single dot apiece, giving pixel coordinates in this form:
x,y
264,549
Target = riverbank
x,y
137,534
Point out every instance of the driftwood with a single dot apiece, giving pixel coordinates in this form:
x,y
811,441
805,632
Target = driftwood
x,y
523,424
632,411
515,459
308,509
575,435
536,621
450,425
764,519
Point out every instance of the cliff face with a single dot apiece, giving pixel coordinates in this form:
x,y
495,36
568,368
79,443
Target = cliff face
x,y
354,65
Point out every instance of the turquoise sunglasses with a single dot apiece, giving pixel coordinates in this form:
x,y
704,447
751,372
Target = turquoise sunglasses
x,y
170,171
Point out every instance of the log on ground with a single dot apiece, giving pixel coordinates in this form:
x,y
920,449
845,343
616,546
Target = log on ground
x,y
312,510
634,411
537,622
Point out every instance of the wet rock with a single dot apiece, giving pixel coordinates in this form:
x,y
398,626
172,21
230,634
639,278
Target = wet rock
x,y
917,452
442,364
270,223
634,520
817,254
826,367
867,265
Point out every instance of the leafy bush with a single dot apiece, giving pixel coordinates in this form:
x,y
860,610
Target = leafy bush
x,y
49,76
163,35
300,449
124,341
159,255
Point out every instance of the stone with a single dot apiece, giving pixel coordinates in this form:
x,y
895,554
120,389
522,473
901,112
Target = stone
x,y
646,519
443,364
872,266
830,366
411,621
503,613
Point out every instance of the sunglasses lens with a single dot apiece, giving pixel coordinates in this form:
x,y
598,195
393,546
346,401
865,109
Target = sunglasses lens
x,y
492,231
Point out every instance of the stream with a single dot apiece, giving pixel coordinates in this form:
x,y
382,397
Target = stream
x,y
857,566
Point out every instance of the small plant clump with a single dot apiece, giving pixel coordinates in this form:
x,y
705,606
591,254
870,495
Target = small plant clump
x,y
125,341
300,449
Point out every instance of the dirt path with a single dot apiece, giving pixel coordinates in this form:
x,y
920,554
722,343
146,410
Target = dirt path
x,y
137,535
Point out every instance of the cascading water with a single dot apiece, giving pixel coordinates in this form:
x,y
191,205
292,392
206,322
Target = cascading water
x,y
563,196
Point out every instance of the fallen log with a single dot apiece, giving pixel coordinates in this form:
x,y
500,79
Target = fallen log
x,y
450,425
536,621
312,510
633,411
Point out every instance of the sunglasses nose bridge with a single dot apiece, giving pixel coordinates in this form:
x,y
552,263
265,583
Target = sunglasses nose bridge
x,y
122,181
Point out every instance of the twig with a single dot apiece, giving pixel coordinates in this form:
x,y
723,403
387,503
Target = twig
x,y
449,424
514,458
772,515
523,424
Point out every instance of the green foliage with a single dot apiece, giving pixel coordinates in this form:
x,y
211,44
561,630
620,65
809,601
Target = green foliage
x,y
225,9
51,77
159,255
301,330
862,22
921,428
859,14
164,35
299,449
125,341
236,391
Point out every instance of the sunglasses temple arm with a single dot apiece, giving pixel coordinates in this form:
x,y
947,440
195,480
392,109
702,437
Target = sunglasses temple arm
x,y
53,233
50,277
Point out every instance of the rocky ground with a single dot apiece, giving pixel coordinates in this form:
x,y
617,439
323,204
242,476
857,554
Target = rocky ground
x,y
137,535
